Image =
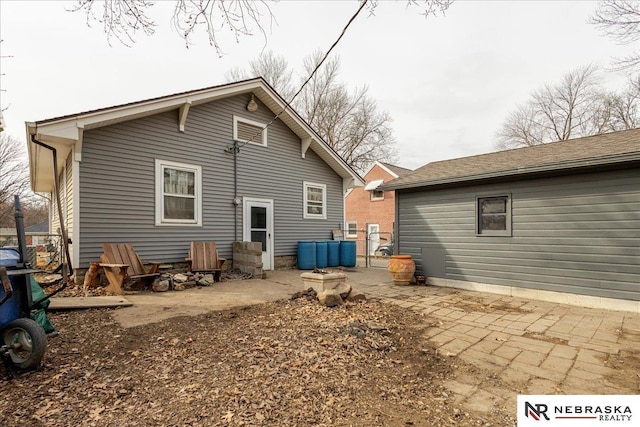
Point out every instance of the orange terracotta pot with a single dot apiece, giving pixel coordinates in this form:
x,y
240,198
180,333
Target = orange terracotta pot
x,y
401,268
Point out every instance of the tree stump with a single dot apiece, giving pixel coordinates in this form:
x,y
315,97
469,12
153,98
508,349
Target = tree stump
x,y
91,278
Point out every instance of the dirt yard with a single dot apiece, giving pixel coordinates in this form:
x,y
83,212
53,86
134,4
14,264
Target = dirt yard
x,y
287,363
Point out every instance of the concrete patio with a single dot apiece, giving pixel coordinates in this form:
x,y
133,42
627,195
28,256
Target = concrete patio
x,y
522,346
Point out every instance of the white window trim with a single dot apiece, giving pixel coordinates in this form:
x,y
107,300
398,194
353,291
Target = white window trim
x,y
160,220
307,215
494,233
374,198
346,229
236,119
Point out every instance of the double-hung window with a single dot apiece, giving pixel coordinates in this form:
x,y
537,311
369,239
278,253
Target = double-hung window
x,y
315,201
493,215
178,193
352,229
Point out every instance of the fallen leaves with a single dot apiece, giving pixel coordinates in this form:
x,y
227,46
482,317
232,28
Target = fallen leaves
x,y
291,363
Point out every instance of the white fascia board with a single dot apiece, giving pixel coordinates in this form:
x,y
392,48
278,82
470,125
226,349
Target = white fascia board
x,y
381,166
373,184
386,169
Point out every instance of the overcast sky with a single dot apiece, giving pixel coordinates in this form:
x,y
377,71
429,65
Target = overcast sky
x,y
448,82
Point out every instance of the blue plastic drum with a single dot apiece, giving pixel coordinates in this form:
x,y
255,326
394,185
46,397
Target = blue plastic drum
x,y
306,255
348,253
333,253
321,255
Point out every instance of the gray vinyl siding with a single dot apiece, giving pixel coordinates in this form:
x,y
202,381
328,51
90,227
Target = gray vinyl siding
x,y
117,176
578,234
68,199
65,183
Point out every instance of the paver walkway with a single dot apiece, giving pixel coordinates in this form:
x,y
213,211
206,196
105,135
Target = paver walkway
x,y
518,346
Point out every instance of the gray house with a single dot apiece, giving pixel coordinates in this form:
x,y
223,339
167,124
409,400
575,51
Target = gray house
x,y
557,222
211,164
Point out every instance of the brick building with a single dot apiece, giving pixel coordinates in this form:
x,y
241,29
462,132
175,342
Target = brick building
x,y
371,211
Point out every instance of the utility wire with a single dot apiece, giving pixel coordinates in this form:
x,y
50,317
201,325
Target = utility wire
x,y
326,55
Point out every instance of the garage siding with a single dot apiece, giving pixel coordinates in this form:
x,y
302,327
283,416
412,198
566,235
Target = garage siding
x,y
578,234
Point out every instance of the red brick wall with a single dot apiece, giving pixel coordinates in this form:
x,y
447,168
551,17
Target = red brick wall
x,y
360,208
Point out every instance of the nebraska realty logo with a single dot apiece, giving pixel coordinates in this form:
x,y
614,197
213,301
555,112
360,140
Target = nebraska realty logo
x,y
578,410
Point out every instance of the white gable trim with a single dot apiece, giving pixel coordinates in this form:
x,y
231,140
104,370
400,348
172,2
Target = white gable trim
x,y
63,132
381,166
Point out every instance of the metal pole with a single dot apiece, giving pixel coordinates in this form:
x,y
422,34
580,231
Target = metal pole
x,y
366,245
22,243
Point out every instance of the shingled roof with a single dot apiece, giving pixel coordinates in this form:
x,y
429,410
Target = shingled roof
x,y
398,170
598,150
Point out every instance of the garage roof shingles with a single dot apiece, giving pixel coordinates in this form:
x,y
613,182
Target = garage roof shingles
x,y
551,156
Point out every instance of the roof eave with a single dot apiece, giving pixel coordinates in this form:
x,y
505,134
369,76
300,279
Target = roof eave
x,y
65,133
524,171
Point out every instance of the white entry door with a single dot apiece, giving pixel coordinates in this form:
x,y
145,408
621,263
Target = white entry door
x,y
374,237
258,227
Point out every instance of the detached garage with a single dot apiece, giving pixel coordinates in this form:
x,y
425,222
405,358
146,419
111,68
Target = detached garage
x,y
557,222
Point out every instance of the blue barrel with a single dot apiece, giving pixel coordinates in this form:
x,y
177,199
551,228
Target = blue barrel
x,y
348,253
333,253
306,255
10,310
321,255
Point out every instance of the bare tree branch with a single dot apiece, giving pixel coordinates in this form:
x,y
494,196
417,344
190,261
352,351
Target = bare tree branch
x,y
242,17
123,19
348,120
620,20
576,106
14,177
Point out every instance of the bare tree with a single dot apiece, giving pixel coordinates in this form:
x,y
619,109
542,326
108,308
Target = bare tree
x,y
349,121
14,177
625,107
274,69
123,19
574,107
620,20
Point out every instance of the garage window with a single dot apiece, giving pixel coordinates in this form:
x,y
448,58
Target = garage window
x,y
493,215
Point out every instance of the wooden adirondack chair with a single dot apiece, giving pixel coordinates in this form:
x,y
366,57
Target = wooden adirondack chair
x,y
203,257
122,266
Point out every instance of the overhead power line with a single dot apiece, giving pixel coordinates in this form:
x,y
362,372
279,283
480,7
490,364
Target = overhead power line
x,y
326,55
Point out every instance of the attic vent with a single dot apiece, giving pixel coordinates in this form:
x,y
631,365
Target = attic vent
x,y
249,131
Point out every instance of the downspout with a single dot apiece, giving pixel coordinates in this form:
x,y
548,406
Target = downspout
x,y
235,149
63,229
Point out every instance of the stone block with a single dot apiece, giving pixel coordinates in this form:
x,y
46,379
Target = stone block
x,y
330,298
320,282
356,295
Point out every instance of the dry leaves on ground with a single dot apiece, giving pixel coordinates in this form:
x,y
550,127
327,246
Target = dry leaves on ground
x,y
289,363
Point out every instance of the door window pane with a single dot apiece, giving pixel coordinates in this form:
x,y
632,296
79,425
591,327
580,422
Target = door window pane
x,y
259,236
258,217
